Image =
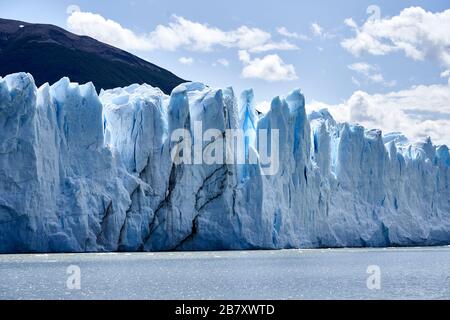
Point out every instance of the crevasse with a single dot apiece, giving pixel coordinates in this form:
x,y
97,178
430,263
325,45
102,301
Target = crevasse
x,y
81,172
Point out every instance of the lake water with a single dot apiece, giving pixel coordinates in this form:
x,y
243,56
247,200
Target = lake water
x,y
400,273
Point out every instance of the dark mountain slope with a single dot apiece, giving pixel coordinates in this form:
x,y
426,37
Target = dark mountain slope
x,y
50,53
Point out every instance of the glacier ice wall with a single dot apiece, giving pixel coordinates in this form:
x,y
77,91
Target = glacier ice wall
x,y
81,172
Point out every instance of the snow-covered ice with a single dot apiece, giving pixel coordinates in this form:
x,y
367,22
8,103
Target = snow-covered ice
x,y
81,172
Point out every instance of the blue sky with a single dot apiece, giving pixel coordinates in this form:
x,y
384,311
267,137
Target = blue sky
x,y
310,45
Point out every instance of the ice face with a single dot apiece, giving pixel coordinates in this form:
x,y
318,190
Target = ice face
x,y
60,187
79,172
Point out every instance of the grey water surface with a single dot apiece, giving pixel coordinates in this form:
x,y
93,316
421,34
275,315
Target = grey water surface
x,y
404,273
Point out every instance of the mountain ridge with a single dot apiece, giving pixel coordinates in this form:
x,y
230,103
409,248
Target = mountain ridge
x,y
49,53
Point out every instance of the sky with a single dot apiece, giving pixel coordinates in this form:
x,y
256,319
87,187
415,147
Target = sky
x,y
382,64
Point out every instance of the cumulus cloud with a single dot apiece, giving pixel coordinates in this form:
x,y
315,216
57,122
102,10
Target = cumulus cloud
x,y
108,31
224,62
178,33
362,67
418,112
72,8
272,46
370,73
263,106
356,82
445,74
316,29
244,56
269,68
417,33
288,34
350,23
186,60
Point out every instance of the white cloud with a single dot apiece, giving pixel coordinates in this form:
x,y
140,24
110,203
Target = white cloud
x,y
224,62
356,82
72,8
288,34
272,46
178,33
269,68
417,33
370,73
377,78
106,30
263,106
316,29
445,74
351,23
244,56
186,60
361,67
285,32
418,112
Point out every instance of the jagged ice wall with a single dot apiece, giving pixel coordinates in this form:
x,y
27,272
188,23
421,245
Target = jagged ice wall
x,y
81,172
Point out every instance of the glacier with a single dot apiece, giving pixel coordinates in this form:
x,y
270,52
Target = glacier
x,y
82,172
